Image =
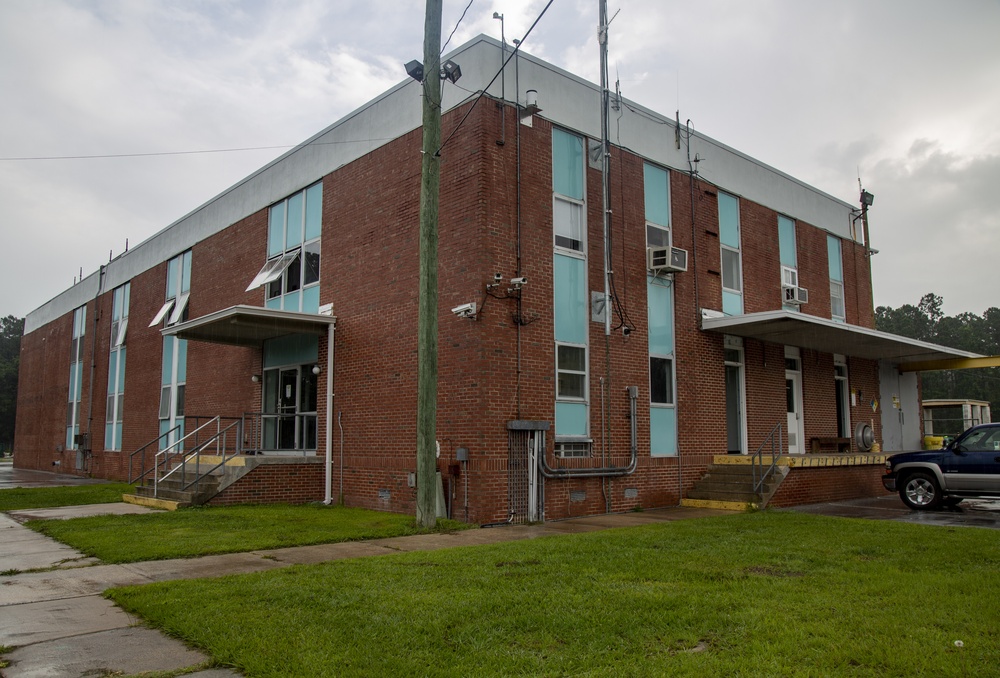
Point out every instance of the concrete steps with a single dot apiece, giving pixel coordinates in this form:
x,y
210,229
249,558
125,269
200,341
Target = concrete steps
x,y
730,486
170,494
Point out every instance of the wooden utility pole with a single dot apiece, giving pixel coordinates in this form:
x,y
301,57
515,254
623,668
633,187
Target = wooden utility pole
x,y
427,339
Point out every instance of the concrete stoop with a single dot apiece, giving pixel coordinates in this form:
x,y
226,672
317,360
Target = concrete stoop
x,y
729,486
169,493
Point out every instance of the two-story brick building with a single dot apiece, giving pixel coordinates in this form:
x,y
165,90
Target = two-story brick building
x,y
723,308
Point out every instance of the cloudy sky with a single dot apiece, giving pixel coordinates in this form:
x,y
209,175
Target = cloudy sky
x,y
904,92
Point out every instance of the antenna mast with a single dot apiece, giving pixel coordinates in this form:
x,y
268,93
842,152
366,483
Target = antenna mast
x,y
602,38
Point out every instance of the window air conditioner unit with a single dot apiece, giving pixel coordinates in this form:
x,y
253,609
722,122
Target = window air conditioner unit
x,y
666,259
795,295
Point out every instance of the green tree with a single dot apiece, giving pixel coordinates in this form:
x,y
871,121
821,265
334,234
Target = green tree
x,y
11,329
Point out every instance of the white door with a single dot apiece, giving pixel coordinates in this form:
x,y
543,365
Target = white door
x,y
793,398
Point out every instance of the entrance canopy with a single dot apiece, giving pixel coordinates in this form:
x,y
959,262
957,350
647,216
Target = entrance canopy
x,y
250,326
820,334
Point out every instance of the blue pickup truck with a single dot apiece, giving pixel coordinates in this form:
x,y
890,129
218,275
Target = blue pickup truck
x,y
969,466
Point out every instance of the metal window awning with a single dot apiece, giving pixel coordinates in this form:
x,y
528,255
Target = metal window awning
x,y
250,326
819,334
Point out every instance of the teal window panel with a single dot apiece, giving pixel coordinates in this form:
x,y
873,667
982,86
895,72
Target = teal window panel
x,y
186,273
292,349
118,436
274,303
293,229
656,189
172,277
72,381
567,164
291,301
834,256
660,298
310,299
182,351
571,419
662,431
314,211
786,242
79,381
729,220
121,370
112,374
276,230
732,303
168,360
570,299
109,442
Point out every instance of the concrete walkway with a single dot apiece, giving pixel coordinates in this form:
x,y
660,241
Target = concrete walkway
x,y
52,612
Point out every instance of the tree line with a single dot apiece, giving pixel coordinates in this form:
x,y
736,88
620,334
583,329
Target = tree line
x,y
11,329
965,331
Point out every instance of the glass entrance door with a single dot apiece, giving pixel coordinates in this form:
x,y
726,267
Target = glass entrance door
x,y
289,417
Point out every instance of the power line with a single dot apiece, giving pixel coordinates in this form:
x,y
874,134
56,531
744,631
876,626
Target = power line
x,y
456,26
208,150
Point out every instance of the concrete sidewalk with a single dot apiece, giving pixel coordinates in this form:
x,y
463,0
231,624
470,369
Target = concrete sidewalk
x,y
61,627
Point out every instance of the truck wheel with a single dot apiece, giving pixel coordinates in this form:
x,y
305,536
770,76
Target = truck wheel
x,y
920,491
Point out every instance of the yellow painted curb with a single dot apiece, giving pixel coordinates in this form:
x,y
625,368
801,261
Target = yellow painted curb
x,y
712,504
151,502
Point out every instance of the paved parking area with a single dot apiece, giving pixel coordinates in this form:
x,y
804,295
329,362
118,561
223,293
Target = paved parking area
x,y
970,513
11,477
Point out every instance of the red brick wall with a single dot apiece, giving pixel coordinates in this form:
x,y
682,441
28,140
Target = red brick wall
x,y
838,483
275,484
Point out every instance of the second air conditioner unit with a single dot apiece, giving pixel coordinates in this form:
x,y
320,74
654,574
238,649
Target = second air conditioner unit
x,y
795,295
666,259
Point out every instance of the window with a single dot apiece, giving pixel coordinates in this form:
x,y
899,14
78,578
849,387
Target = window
x,y
789,258
842,395
116,369
570,303
290,277
173,373
837,311
732,265
568,205
660,316
75,378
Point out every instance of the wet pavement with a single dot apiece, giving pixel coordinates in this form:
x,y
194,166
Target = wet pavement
x,y
969,513
11,477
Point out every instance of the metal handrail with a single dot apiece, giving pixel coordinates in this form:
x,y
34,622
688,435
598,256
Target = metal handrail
x,y
142,450
165,455
253,429
760,474
222,434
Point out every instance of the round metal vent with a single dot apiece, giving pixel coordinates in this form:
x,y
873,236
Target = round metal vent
x,y
864,436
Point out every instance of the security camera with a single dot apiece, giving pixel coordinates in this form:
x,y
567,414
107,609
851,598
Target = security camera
x,y
518,282
465,310
497,277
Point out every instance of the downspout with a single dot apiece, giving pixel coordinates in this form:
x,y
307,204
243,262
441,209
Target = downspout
x,y
329,417
340,416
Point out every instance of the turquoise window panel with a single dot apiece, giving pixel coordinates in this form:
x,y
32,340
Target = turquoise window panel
x,y
310,299
571,419
293,231
656,188
168,360
274,303
182,360
112,374
732,303
108,442
567,164
121,370
314,211
276,230
570,299
729,220
172,278
118,436
662,431
786,242
186,273
660,298
834,256
292,349
72,381
291,301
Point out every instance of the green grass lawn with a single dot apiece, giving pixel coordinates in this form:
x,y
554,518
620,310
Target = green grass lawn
x,y
204,531
47,497
763,594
